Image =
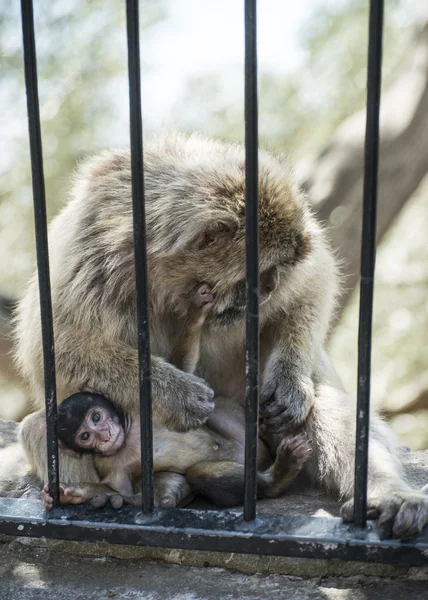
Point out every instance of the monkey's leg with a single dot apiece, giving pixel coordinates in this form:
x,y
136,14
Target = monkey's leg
x,y
97,494
185,354
222,482
402,512
170,490
291,455
181,401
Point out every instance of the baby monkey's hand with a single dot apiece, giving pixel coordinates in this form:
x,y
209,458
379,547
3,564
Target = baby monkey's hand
x,y
204,298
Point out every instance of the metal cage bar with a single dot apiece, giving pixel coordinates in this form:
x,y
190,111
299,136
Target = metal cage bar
x,y
368,255
39,198
137,172
252,250
225,531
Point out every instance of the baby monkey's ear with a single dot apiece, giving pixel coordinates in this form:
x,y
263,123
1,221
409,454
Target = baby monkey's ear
x,y
89,390
214,233
68,450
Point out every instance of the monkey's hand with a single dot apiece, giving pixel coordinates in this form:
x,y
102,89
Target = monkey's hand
x,y
400,514
285,402
191,399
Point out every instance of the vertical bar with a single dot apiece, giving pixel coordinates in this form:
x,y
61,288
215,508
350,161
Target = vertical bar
x,y
136,127
368,253
30,67
252,249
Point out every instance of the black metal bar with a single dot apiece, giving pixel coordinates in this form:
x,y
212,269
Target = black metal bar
x,y
30,67
132,22
225,531
252,249
368,255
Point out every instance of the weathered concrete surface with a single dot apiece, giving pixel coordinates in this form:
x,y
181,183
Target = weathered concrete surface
x,y
38,573
14,482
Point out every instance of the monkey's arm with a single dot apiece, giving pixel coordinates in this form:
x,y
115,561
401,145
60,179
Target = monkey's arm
x,y
287,393
185,354
181,401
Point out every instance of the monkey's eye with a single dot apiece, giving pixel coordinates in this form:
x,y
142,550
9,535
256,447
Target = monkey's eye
x,y
85,436
96,417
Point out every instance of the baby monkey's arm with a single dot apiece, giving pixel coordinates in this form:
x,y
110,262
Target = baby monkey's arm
x,y
185,354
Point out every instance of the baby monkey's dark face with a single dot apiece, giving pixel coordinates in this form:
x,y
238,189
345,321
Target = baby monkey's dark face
x,y
89,422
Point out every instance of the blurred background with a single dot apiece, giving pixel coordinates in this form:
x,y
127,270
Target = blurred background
x,y
312,77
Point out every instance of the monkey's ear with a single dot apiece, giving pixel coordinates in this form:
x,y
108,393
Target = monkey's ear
x,y
66,450
214,232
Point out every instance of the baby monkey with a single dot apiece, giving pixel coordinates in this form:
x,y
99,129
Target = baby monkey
x,y
208,461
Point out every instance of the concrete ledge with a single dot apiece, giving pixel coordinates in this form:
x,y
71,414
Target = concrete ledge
x,y
15,482
63,571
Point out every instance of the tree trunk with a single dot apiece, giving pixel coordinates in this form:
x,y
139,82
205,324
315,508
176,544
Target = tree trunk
x,y
334,179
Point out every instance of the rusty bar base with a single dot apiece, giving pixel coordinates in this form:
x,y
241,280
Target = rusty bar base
x,y
279,535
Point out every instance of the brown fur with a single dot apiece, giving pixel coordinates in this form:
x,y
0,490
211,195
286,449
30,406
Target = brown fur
x,y
220,478
195,187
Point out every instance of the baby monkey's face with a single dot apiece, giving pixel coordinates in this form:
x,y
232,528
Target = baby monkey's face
x,y
101,432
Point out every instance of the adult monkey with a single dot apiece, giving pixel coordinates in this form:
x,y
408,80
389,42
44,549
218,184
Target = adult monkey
x,y
195,207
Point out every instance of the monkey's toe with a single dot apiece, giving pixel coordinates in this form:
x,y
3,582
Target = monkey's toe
x,y
168,502
116,501
46,498
296,448
347,511
99,501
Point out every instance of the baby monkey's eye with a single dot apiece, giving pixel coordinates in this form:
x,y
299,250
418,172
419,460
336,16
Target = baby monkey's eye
x,y
96,417
84,436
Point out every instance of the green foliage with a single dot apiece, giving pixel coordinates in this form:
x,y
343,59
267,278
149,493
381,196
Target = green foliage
x,y
298,112
82,64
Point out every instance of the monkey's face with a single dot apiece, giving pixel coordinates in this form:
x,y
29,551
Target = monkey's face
x,y
231,304
101,432
198,235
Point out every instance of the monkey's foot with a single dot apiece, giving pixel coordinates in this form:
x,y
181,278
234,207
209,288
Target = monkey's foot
x,y
295,450
67,495
399,514
101,500
171,490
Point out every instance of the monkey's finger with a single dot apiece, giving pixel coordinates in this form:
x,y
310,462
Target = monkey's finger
x,y
347,511
271,409
388,508
99,501
303,451
298,440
